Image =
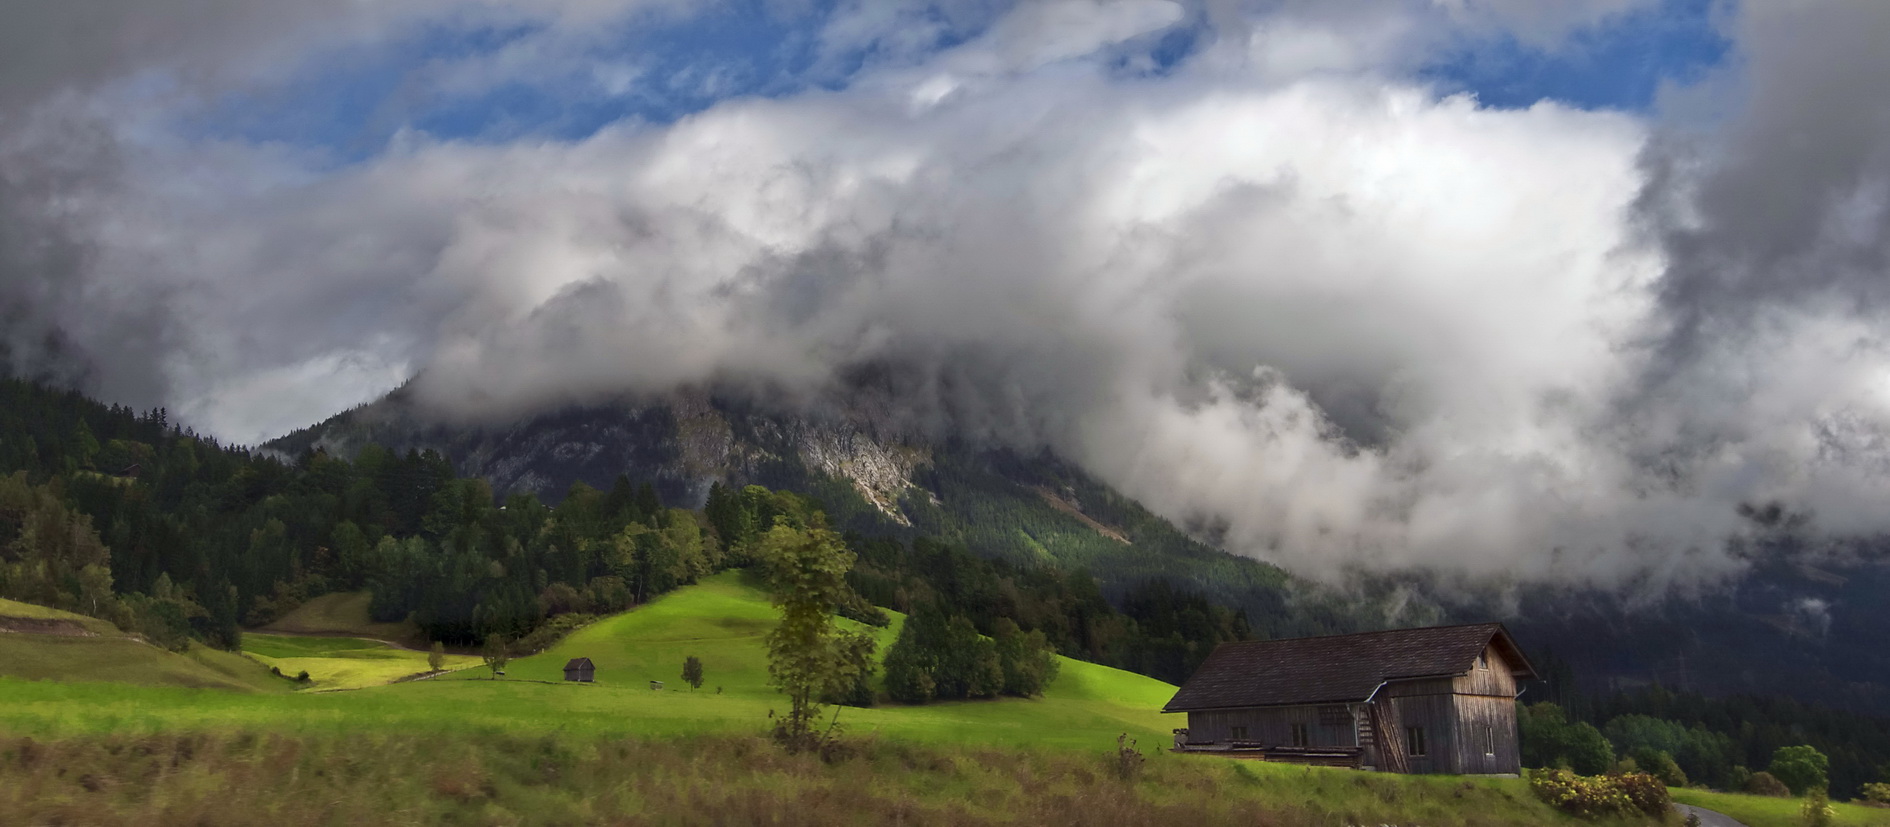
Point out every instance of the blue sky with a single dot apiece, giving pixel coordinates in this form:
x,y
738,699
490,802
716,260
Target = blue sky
x,y
351,102
1618,65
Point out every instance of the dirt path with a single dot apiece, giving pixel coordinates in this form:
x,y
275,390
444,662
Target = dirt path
x,y
44,626
1708,818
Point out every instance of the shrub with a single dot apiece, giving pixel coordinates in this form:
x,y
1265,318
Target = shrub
x,y
1601,796
1128,760
1765,783
1817,811
436,657
1648,793
1660,765
1877,793
550,632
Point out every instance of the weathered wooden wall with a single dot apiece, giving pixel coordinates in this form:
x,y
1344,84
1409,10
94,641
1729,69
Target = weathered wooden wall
x,y
1428,704
1486,710
1495,680
1270,726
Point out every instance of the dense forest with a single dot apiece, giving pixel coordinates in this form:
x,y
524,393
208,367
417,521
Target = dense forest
x,y
120,514
1731,743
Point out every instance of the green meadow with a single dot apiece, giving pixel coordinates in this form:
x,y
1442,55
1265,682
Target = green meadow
x,y
343,662
90,651
722,621
531,748
1768,811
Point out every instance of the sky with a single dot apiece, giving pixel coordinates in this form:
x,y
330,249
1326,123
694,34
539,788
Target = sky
x,y
1509,290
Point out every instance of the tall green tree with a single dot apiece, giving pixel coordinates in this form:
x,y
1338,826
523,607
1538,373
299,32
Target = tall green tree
x,y
498,651
809,655
1802,768
1025,658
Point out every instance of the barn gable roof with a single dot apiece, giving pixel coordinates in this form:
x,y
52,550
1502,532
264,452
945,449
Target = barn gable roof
x,y
1338,668
578,663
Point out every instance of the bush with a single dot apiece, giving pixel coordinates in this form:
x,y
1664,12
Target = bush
x,y
1765,783
1817,811
1601,796
1878,793
1649,794
1128,760
1660,765
550,632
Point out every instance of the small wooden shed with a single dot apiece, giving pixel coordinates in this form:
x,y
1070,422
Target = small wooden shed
x,y
1432,700
580,670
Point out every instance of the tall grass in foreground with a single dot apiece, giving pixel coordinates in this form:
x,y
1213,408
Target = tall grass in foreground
x,y
233,778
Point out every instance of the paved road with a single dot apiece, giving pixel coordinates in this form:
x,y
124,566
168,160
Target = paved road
x,y
1708,818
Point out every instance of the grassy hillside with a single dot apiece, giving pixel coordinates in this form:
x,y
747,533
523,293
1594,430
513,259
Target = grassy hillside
x,y
343,662
723,620
61,646
532,749
1767,811
344,614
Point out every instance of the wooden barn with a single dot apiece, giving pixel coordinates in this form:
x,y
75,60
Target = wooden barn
x,y
580,670
1435,700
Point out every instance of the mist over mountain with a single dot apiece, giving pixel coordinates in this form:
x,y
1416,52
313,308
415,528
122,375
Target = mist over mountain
x,y
1263,267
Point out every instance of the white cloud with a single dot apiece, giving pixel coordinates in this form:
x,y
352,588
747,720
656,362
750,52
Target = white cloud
x,y
1277,290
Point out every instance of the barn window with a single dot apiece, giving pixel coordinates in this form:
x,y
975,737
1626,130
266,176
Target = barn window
x,y
1483,661
1238,733
1489,742
1300,738
1334,716
1414,740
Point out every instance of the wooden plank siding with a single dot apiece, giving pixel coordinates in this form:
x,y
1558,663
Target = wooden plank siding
x,y
1270,726
1486,716
1429,706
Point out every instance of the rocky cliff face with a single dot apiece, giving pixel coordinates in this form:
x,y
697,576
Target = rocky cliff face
x,y
683,442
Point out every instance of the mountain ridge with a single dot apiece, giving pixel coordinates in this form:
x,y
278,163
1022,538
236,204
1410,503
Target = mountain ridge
x,y
1785,620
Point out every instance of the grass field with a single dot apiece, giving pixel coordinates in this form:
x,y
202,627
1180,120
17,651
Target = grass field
x,y
723,620
1767,811
342,662
14,608
532,749
104,654
344,614
237,778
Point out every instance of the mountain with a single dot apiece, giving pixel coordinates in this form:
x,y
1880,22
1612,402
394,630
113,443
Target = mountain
x,y
873,477
1794,624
